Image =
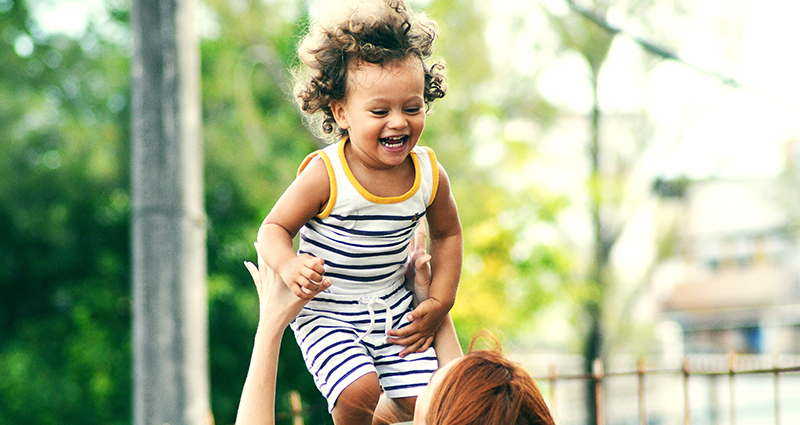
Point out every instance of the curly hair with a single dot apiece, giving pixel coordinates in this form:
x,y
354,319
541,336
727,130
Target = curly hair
x,y
356,31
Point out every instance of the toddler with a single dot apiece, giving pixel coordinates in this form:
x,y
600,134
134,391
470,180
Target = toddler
x,y
356,205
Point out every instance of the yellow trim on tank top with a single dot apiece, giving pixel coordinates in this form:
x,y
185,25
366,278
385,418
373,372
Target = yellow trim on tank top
x,y
434,173
331,177
380,199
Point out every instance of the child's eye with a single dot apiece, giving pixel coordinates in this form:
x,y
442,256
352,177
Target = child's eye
x,y
379,112
413,110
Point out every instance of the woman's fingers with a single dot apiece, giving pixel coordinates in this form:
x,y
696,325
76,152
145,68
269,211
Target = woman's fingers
x,y
253,272
420,236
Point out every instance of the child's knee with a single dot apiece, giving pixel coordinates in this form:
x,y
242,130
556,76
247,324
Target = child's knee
x,y
366,387
360,398
393,410
405,404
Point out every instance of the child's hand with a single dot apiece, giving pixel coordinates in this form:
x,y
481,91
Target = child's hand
x,y
418,335
277,305
303,275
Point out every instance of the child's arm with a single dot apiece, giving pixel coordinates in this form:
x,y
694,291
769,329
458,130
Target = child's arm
x,y
304,199
446,258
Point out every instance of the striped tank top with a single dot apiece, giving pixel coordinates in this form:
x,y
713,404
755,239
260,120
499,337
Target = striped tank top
x,y
364,238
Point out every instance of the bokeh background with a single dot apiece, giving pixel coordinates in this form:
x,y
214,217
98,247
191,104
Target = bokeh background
x,y
627,174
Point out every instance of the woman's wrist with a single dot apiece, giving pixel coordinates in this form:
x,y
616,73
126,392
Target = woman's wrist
x,y
268,336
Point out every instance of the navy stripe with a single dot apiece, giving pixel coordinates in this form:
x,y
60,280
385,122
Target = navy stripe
x,y
344,324
339,365
335,331
374,347
410,372
334,314
401,360
336,384
311,227
402,387
346,349
363,266
349,315
300,324
356,255
321,297
371,233
379,321
359,278
414,217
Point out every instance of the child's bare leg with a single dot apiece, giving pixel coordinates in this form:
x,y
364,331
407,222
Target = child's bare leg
x,y
357,403
393,410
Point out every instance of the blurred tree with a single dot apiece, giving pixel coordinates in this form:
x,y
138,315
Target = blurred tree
x,y
64,308
611,199
507,277
593,43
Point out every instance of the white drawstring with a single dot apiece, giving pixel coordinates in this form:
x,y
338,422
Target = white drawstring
x,y
370,302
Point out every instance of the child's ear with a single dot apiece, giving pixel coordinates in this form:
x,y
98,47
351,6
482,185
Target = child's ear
x,y
339,114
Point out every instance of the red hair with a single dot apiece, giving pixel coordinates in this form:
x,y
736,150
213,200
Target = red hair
x,y
485,388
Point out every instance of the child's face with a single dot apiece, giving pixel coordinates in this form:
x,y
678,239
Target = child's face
x,y
383,111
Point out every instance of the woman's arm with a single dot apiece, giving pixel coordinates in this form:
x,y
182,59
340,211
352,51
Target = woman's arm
x,y
446,342
278,306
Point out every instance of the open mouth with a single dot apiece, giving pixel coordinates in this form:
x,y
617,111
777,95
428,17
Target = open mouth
x,y
394,142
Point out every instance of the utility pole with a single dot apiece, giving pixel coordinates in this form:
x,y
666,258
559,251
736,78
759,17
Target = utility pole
x,y
170,318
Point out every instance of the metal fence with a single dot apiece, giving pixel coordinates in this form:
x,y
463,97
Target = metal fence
x,y
706,389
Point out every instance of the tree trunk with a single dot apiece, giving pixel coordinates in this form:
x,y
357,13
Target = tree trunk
x,y
593,345
170,324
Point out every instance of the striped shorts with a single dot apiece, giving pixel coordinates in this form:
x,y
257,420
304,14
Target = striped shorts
x,y
343,337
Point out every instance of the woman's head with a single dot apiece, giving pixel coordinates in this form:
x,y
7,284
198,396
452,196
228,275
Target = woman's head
x,y
483,387
348,33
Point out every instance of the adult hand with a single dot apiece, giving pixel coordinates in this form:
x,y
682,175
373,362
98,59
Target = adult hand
x,y
418,271
278,305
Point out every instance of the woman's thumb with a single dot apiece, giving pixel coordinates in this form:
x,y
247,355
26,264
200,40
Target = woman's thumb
x,y
422,261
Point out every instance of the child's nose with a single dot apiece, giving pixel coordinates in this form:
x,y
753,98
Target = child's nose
x,y
397,120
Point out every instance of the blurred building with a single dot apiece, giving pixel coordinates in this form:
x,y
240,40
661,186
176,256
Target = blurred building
x,y
734,281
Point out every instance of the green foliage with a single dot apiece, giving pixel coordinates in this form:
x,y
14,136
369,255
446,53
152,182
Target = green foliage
x,y
64,309
64,206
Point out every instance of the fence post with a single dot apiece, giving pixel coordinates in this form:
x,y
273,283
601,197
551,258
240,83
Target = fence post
x,y
640,372
597,375
687,416
552,378
777,389
297,408
731,373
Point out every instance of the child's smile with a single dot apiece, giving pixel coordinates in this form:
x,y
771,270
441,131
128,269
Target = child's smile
x,y
394,143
